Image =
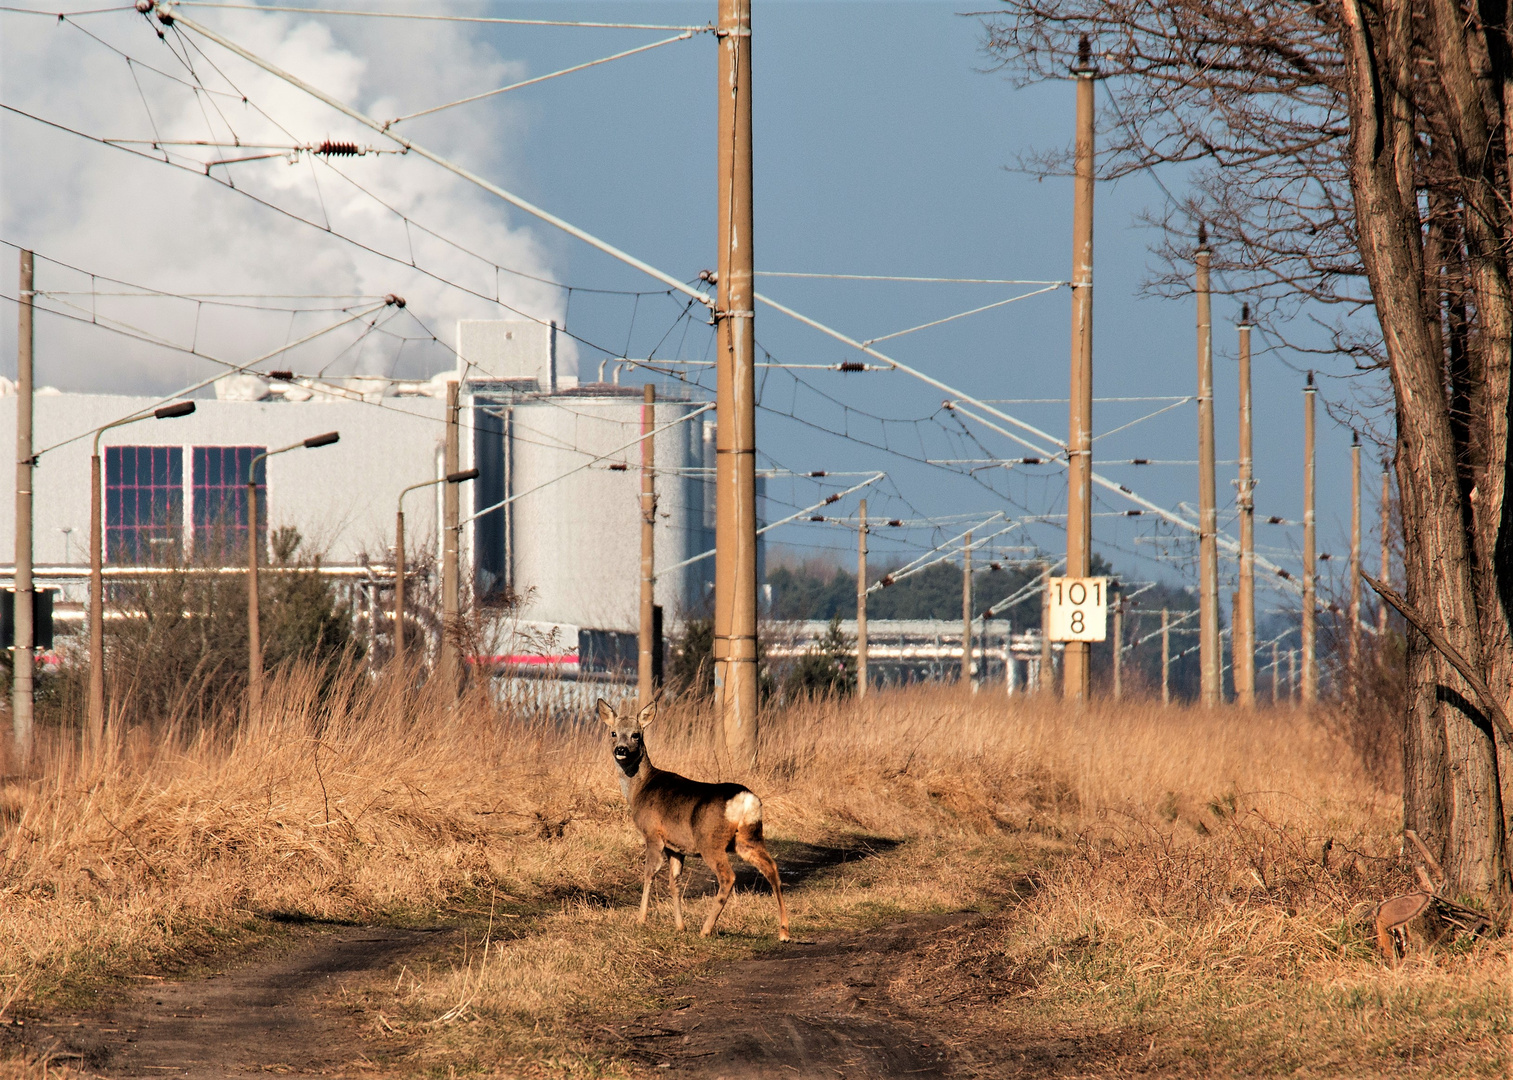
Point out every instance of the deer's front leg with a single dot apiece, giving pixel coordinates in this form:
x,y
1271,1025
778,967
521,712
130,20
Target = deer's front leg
x,y
674,872
653,864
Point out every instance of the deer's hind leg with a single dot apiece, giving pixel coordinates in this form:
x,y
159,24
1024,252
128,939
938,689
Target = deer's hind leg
x,y
719,862
753,850
654,857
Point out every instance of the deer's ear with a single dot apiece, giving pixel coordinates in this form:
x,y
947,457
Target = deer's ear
x,y
648,714
606,714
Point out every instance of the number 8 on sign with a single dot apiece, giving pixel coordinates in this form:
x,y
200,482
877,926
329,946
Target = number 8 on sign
x,y
1077,609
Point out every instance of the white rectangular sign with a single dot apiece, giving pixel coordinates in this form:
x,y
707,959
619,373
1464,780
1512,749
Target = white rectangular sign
x,y
1077,608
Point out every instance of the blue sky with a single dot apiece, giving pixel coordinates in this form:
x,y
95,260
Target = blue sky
x,y
882,146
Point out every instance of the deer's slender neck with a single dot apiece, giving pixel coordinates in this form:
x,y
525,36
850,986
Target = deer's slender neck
x,y
635,770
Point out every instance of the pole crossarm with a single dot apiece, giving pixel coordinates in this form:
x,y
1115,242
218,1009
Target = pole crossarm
x,y
962,314
945,549
684,36
1119,489
167,13
1026,591
826,501
591,461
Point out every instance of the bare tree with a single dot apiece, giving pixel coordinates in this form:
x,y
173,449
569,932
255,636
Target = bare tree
x,y
1353,156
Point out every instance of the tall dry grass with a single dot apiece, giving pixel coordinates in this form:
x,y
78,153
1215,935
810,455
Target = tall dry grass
x,y
1177,855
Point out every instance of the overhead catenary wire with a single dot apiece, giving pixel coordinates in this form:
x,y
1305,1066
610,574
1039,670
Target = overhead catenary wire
x,y
167,9
828,500
484,19
432,274
690,294
900,278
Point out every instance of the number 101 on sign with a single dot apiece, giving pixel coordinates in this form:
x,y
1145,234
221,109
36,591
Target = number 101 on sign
x,y
1077,608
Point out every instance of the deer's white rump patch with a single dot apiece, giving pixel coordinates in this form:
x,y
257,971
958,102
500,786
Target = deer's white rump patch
x,y
744,809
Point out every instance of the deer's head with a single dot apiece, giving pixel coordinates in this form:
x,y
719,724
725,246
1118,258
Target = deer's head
x,y
625,729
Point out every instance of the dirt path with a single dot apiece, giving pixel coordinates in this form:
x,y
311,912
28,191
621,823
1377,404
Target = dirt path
x,y
924,996
266,1017
816,1008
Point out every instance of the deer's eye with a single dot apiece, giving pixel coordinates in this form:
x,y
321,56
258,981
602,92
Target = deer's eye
x,y
636,735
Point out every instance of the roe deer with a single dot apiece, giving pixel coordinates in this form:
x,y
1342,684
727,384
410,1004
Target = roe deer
x,y
681,817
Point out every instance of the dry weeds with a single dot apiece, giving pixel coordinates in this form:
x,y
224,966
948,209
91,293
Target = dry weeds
x,y
1193,881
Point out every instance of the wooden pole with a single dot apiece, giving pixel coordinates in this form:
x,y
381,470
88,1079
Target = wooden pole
x,y
399,590
22,689
1208,518
1166,656
254,619
1355,550
861,604
735,623
645,674
1244,642
966,613
1310,684
1119,649
1076,661
451,667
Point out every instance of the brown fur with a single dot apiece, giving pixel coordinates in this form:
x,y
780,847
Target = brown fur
x,y
680,817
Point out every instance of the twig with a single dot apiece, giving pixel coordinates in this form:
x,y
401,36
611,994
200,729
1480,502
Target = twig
x,y
1449,652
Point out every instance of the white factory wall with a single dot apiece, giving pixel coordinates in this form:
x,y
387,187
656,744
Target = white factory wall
x,y
341,497
575,546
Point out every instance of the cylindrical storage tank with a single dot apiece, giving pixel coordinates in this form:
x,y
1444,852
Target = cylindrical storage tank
x,y
575,544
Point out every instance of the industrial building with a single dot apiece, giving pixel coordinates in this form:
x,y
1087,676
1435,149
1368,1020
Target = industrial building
x,y
545,524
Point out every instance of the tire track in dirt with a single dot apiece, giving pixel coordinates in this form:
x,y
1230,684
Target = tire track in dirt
x,y
816,1008
268,1017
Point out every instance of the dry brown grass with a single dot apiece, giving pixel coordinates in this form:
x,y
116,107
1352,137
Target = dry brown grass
x,y
1159,873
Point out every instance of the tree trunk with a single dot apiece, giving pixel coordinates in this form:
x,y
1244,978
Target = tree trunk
x,y
1466,821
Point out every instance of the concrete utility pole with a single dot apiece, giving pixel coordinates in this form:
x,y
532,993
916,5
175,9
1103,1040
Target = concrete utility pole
x,y
735,599
1355,548
1076,661
861,603
1292,675
399,586
1386,575
24,632
1166,656
645,690
1208,517
966,613
1276,672
1309,635
1119,649
451,667
1244,642
254,606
